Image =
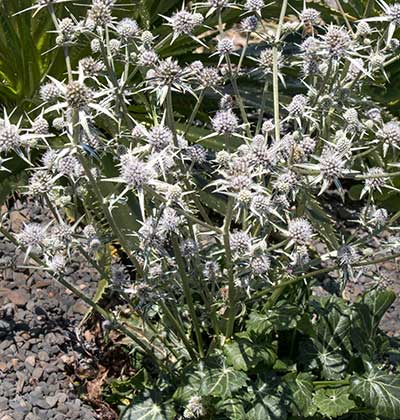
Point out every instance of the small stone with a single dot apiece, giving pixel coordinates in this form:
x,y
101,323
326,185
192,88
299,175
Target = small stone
x,y
18,297
30,360
52,401
37,373
43,356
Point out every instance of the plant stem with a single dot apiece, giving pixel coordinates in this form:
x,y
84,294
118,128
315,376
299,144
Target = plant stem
x,y
194,112
275,79
188,293
229,266
262,108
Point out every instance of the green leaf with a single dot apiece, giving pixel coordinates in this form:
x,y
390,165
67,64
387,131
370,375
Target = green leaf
x,y
243,354
232,408
222,382
333,402
148,409
378,390
267,407
259,323
301,394
368,314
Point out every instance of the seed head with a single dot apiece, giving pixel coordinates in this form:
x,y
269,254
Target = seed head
x,y
147,58
9,137
310,16
300,231
225,122
260,265
197,153
40,126
297,106
363,29
240,243
209,77
390,132
225,46
127,28
78,95
100,12
32,235
40,183
331,164
160,137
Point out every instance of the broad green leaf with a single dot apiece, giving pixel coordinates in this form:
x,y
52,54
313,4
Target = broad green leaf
x,y
243,354
333,402
368,314
301,394
232,408
148,410
259,323
222,382
378,390
284,317
267,407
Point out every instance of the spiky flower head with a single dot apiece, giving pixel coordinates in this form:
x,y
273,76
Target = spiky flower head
x,y
225,122
78,95
209,77
167,72
32,235
91,67
49,92
240,243
196,153
160,137
260,204
390,132
249,24
363,29
40,126
300,231
40,183
195,408
308,145
183,22
393,13
254,5
147,58
225,46
226,102
170,220
133,171
218,3
211,270
9,137
95,45
377,179
346,255
260,265
374,114
49,158
266,60
127,28
338,41
57,263
267,127
297,106
331,164
100,12
310,16
68,165
89,231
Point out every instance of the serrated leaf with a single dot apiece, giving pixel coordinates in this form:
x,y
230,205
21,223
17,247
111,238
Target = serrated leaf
x,y
222,382
148,410
243,354
333,402
378,390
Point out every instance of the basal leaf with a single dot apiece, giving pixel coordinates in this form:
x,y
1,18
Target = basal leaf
x,y
301,394
267,407
333,402
232,408
148,410
222,382
378,390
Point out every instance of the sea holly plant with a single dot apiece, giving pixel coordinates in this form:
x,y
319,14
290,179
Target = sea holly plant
x,y
226,216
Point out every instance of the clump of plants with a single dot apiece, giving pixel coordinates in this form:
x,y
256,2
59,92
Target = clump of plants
x,y
223,203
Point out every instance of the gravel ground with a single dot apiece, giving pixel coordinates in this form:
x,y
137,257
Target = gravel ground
x,y
37,338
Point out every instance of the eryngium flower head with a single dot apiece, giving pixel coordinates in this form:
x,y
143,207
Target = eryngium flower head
x,y
225,122
363,29
195,408
211,270
225,46
393,13
134,172
57,263
240,243
331,164
300,231
170,221
297,105
40,183
346,255
266,60
260,265
32,235
337,40
209,77
147,58
168,71
260,204
183,22
78,95
218,3
308,145
196,153
310,16
254,5
249,24
160,137
9,137
49,92
40,126
377,179
390,132
127,28
100,12
68,165
91,67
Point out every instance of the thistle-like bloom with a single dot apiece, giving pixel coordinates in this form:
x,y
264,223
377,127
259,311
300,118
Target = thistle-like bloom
x,y
254,5
9,137
260,265
240,243
100,12
196,153
184,22
40,182
160,137
376,180
310,16
337,40
300,231
134,172
127,28
225,46
297,106
78,95
249,24
266,60
32,235
331,165
195,408
225,122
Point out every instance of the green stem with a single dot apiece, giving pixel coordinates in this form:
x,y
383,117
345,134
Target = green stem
x,y
194,112
262,108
